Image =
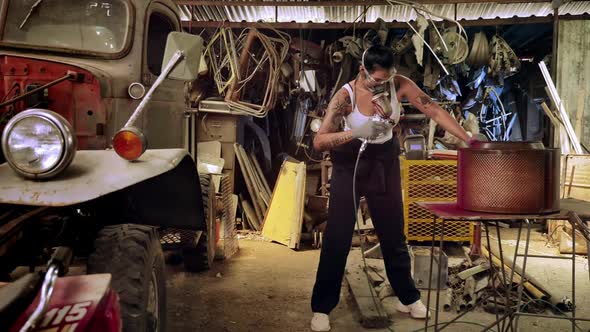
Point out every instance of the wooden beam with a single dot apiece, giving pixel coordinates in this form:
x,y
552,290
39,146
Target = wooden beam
x,y
329,3
369,25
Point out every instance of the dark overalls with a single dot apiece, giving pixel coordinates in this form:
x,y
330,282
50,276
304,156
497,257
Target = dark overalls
x,y
378,179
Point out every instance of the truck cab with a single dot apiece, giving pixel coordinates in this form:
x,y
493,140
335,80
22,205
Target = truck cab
x,y
73,76
115,47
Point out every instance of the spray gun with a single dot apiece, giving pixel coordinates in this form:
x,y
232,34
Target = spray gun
x,y
378,119
380,101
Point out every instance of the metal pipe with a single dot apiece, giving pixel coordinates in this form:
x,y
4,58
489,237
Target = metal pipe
x,y
573,271
545,256
559,105
46,292
148,96
430,274
551,316
440,257
521,284
493,271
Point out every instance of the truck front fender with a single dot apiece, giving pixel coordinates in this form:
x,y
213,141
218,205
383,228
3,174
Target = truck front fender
x,y
91,175
160,189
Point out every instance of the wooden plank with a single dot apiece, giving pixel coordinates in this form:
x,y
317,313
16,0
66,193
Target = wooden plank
x,y
372,313
299,206
261,174
284,218
572,72
251,215
248,180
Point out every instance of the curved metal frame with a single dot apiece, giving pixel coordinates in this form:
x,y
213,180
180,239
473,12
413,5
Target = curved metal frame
x,y
46,292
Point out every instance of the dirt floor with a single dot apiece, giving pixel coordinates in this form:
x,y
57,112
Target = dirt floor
x,y
267,287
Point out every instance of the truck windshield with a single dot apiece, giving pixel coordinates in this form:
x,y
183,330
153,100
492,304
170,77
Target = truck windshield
x,y
77,25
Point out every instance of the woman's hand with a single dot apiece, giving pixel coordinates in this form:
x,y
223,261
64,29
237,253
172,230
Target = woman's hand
x,y
371,129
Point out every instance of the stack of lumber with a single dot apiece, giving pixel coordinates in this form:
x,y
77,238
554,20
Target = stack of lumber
x,y
258,189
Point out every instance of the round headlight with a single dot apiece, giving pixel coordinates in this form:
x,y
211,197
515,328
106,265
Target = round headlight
x,y
38,143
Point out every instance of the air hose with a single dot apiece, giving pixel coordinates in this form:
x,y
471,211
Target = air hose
x,y
358,226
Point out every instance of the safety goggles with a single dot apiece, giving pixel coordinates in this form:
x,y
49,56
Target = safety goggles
x,y
378,81
371,78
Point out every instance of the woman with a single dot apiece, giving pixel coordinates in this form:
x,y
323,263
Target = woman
x,y
347,124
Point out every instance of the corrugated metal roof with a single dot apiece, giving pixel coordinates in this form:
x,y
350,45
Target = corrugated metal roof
x,y
316,14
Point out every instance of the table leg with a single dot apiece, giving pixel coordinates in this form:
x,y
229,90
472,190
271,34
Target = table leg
x,y
475,250
511,280
573,276
493,268
523,272
501,251
430,274
507,283
440,258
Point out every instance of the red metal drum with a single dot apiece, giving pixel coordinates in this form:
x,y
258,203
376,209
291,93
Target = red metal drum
x,y
508,177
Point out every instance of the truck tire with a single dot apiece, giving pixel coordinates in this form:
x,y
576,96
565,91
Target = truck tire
x,y
133,256
196,258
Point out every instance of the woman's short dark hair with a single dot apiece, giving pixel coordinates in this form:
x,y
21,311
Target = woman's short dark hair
x,y
378,57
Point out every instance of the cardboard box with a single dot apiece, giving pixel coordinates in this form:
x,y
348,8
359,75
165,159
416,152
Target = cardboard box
x,y
217,127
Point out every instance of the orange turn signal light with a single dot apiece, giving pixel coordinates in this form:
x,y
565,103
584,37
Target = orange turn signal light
x,y
129,143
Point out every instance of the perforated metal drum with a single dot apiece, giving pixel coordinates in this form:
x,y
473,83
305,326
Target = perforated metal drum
x,y
508,177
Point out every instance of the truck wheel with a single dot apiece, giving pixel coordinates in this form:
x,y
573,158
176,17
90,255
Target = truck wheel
x,y
199,258
133,256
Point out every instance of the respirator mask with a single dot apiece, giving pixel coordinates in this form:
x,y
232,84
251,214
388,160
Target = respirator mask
x,y
387,106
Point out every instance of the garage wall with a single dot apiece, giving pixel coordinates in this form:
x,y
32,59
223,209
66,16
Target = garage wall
x,y
573,74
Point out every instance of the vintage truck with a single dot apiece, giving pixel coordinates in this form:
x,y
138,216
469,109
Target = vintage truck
x,y
84,86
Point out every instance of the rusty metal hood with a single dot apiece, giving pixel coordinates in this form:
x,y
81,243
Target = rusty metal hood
x,y
92,174
115,76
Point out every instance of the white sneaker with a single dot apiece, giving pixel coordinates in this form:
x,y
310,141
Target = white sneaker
x,y
416,310
320,322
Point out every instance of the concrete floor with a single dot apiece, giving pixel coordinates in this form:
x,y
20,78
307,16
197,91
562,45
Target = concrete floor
x,y
267,287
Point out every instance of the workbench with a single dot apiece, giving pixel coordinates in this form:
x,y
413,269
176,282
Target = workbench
x,y
445,211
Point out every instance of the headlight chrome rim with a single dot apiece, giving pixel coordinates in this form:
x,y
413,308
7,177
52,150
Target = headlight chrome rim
x,y
66,131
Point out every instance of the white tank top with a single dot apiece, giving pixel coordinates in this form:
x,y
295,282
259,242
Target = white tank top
x,y
356,119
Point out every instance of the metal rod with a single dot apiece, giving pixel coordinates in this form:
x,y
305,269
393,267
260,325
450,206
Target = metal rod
x,y
68,76
148,96
552,316
521,285
545,256
573,273
501,252
562,111
430,273
493,268
512,272
502,267
497,322
440,253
